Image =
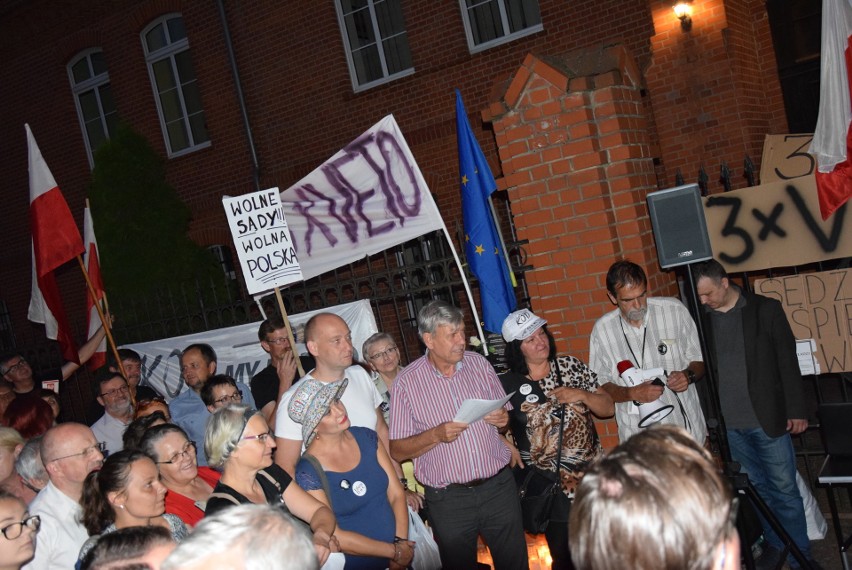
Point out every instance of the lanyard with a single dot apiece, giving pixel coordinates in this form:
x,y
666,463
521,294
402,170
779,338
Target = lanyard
x,y
639,365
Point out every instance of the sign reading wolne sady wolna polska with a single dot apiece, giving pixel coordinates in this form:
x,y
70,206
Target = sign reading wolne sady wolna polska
x,y
262,239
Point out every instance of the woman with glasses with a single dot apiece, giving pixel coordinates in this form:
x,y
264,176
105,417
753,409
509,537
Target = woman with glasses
x,y
19,529
238,441
347,469
219,391
126,492
189,486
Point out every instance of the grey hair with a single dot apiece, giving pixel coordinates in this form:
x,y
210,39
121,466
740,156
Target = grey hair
x,y
29,465
438,313
265,536
378,337
224,430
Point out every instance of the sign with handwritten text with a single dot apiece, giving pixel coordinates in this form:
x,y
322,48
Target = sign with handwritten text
x,y
262,239
774,225
368,197
786,157
819,308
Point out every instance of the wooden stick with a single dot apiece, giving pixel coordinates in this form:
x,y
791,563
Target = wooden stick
x,y
107,327
289,331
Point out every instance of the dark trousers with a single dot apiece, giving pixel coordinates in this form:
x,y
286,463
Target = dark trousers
x,y
557,542
492,509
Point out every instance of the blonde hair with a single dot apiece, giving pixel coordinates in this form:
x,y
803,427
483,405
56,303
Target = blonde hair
x,y
656,502
224,430
10,438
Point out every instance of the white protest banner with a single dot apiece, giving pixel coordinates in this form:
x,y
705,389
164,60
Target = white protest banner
x,y
368,197
262,240
238,349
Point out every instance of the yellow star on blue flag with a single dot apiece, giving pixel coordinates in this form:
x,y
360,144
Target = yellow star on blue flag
x,y
481,238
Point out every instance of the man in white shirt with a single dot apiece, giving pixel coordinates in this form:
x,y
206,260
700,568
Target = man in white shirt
x,y
114,396
329,340
69,452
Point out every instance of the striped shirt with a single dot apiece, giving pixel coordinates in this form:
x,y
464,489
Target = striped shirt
x,y
424,398
670,342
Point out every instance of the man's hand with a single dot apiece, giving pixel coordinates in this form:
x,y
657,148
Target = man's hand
x,y
646,392
516,455
414,500
797,426
286,369
448,432
678,381
497,418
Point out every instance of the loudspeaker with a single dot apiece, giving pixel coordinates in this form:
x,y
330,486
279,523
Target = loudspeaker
x,y
680,230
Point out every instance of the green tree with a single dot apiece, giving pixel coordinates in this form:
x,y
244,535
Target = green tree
x,y
141,224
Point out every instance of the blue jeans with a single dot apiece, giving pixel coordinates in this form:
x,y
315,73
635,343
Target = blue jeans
x,y
771,466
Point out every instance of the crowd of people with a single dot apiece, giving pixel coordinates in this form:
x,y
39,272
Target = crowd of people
x,y
327,470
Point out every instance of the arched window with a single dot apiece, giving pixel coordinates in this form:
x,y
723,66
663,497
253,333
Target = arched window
x,y
93,98
175,86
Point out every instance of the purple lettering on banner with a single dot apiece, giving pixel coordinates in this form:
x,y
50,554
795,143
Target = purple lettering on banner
x,y
390,187
302,208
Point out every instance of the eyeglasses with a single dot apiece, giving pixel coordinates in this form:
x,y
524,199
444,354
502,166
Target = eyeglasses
x,y
382,354
261,437
236,398
187,451
89,451
277,341
21,362
14,530
116,392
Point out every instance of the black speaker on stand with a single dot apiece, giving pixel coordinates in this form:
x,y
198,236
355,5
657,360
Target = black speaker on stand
x,y
680,232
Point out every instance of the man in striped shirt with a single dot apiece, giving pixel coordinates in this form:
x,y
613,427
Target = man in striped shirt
x,y
469,490
655,332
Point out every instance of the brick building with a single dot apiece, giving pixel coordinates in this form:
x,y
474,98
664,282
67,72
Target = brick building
x,y
581,107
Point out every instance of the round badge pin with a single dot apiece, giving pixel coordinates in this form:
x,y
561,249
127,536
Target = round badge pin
x,y
359,488
662,348
532,398
345,484
525,389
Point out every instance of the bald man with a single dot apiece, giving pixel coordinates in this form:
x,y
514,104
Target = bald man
x,y
329,341
69,452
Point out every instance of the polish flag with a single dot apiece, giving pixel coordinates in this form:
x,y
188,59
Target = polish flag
x,y
833,138
91,260
56,240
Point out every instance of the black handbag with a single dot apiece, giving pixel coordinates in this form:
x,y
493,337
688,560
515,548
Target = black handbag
x,y
539,490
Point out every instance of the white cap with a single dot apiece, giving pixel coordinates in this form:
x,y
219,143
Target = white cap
x,y
521,325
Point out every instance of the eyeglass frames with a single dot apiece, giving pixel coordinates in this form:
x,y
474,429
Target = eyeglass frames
x,y
388,352
89,451
235,398
187,451
14,530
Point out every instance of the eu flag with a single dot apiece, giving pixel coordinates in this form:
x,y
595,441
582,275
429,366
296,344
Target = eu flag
x,y
482,245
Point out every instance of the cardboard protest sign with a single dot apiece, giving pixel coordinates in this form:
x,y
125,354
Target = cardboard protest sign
x,y
819,309
262,240
786,157
774,225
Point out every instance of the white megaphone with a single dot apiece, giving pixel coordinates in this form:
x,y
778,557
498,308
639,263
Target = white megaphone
x,y
650,412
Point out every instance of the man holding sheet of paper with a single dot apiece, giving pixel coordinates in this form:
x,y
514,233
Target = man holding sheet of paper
x,y
469,491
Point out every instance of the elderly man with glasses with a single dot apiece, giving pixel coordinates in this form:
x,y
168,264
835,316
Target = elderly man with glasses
x,y
114,395
70,452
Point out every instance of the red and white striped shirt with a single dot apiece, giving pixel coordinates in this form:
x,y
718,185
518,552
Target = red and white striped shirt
x,y
424,398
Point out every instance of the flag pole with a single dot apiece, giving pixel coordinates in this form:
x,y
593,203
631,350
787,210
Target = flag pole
x,y
107,327
286,320
466,288
502,242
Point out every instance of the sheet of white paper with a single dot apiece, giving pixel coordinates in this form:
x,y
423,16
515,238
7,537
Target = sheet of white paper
x,y
808,364
474,410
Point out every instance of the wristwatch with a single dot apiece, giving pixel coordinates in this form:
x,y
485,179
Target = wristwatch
x,y
690,376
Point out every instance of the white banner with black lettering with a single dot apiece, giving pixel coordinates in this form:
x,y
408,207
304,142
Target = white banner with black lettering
x,y
238,349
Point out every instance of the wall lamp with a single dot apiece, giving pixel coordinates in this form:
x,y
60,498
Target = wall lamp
x,y
683,11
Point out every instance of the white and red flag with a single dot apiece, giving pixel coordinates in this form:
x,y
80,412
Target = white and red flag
x,y
56,240
91,260
833,138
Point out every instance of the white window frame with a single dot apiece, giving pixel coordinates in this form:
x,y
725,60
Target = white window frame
x,y
169,51
353,74
94,83
468,30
